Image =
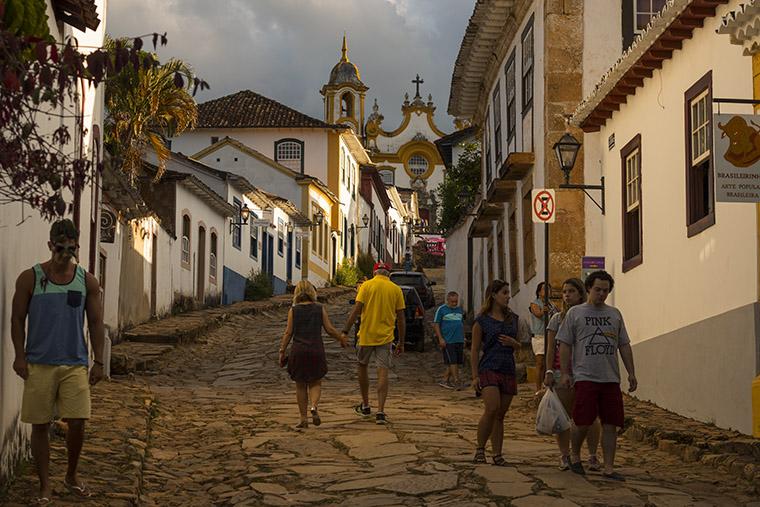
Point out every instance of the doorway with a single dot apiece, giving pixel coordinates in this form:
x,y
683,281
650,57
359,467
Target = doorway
x,y
289,258
201,292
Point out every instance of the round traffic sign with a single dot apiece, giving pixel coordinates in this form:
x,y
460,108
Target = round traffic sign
x,y
543,206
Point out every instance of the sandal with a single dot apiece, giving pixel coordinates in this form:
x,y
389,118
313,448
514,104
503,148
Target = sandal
x,y
499,461
42,500
614,476
315,417
81,490
480,455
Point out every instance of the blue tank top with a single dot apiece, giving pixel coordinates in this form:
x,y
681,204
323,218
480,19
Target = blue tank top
x,y
56,321
497,357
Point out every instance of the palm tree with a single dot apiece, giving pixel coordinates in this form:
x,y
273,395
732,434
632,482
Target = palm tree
x,y
146,107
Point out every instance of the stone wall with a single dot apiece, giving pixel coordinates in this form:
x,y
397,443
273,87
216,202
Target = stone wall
x,y
563,89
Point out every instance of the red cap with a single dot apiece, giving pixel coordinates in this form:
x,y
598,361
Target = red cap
x,y
381,265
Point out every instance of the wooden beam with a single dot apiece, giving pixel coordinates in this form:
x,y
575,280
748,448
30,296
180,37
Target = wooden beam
x,y
608,106
617,98
632,80
625,89
650,62
680,33
698,11
660,54
689,22
640,71
668,43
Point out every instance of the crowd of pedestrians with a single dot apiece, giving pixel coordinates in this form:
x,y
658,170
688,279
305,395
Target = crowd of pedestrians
x,y
577,356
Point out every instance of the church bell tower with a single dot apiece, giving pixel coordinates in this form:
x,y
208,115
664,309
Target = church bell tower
x,y
344,94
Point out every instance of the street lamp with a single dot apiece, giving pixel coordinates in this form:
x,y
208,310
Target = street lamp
x,y
318,217
290,227
566,150
245,212
365,221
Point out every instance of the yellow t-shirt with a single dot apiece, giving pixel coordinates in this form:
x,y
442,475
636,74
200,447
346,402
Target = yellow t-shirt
x,y
381,299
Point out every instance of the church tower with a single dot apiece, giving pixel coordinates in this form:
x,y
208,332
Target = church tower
x,y
344,94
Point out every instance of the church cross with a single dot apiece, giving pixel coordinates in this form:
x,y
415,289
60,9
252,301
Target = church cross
x,y
418,82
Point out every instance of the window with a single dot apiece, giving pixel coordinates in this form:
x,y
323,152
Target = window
x,y
700,197
289,152
497,124
418,165
387,175
509,70
254,238
345,236
212,259
280,237
487,144
298,251
236,229
630,157
528,231
186,240
342,164
347,105
644,11
527,67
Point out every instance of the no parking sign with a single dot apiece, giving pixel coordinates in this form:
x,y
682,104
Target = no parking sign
x,y
544,205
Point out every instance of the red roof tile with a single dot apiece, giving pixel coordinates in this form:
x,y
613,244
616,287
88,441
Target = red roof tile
x,y
247,109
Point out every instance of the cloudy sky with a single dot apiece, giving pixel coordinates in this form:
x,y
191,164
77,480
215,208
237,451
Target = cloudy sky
x,y
285,49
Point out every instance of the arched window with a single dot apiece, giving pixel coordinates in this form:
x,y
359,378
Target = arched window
x,y
212,259
418,165
186,239
347,105
387,175
289,152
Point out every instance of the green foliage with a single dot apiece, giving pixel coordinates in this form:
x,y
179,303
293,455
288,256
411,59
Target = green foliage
x,y
258,286
27,18
365,263
347,274
462,179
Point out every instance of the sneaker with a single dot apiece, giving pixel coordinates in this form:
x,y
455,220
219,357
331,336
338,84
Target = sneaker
x,y
564,463
593,463
380,418
447,384
361,410
577,468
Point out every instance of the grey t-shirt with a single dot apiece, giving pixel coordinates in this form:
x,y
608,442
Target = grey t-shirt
x,y
596,334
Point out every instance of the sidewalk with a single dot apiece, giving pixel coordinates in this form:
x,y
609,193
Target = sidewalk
x,y
144,344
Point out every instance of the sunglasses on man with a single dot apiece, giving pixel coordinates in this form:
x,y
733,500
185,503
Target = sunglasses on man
x,y
72,249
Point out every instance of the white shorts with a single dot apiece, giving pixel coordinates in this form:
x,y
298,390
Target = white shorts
x,y
538,345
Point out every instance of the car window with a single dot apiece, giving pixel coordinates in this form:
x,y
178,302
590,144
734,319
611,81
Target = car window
x,y
406,279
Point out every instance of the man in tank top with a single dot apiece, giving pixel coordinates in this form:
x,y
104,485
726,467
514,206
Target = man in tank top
x,y
47,329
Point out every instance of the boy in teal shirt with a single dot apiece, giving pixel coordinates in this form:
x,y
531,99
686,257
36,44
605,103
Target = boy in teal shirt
x,y
448,325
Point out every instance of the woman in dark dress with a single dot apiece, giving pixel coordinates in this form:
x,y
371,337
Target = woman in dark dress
x,y
499,332
307,363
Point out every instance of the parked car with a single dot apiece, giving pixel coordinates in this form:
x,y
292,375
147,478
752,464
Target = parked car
x,y
419,281
415,320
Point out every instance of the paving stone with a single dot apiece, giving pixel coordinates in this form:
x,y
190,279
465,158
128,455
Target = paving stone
x,y
510,489
542,501
269,488
423,484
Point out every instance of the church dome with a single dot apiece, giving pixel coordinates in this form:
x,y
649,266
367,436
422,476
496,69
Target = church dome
x,y
345,72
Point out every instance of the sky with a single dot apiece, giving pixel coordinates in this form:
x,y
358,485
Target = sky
x,y
285,49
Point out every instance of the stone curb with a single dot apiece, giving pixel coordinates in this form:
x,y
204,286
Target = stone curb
x,y
694,441
144,344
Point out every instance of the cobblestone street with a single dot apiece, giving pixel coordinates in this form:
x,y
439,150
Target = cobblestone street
x,y
217,429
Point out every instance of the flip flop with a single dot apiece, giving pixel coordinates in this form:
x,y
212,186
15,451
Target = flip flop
x,y
315,417
499,461
81,490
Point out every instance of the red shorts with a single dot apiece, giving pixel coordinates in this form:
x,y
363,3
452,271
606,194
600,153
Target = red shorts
x,y
594,399
507,384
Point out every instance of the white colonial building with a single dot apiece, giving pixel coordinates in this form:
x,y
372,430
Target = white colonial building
x,y
685,265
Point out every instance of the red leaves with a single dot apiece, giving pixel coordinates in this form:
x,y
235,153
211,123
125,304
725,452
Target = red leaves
x,y
41,52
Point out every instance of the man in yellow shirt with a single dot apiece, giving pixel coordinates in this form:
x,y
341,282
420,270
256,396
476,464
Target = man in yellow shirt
x,y
380,303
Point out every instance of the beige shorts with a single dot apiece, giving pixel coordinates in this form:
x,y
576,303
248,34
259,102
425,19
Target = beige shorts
x,y
49,385
382,355
537,342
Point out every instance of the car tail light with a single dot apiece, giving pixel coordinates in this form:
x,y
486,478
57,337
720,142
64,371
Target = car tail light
x,y
419,312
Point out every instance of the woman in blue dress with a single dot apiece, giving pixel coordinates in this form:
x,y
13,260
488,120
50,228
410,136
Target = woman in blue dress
x,y
497,332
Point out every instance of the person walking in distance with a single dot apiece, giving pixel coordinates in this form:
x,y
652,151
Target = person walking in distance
x,y
52,354
498,332
448,325
538,309
307,364
380,303
573,293
592,334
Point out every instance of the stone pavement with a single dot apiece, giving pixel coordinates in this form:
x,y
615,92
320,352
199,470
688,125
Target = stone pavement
x,y
221,433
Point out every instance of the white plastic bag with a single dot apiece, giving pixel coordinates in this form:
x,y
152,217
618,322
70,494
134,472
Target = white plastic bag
x,y
551,417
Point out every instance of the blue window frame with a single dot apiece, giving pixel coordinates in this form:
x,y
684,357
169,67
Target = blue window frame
x,y
236,229
254,236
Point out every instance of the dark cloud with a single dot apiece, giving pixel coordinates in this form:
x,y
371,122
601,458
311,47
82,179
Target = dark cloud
x,y
285,49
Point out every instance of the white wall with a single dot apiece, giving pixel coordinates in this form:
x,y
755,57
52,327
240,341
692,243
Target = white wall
x,y
456,258
262,140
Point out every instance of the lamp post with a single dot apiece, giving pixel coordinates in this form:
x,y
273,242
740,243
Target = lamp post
x,y
245,212
365,221
566,150
318,218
